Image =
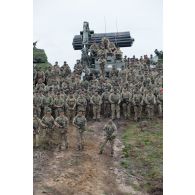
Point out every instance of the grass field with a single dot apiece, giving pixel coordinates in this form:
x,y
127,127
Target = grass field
x,y
143,155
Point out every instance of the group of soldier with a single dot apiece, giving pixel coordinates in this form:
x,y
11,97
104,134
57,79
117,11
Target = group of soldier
x,y
61,97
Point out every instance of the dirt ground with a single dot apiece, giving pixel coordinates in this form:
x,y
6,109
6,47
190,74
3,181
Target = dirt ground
x,y
73,172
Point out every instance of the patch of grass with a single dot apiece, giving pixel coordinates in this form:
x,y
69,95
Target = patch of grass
x,y
143,155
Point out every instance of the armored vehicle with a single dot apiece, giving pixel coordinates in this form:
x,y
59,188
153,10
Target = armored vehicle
x,y
94,45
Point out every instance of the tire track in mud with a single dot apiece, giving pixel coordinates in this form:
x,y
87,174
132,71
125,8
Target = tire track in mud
x,y
73,172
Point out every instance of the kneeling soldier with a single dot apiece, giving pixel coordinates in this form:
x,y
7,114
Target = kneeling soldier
x,y
110,134
62,123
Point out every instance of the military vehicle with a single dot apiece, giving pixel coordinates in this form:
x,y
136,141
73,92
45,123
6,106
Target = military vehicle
x,y
89,60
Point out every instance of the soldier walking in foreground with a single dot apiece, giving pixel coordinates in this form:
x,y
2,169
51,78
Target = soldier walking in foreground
x,y
110,134
62,123
80,123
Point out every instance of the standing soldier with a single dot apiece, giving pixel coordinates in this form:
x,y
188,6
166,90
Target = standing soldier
x,y
80,123
37,104
150,101
48,124
160,103
113,72
123,74
71,106
40,75
115,99
47,102
110,134
102,62
36,125
81,102
62,123
126,97
96,101
40,86
137,103
106,103
58,104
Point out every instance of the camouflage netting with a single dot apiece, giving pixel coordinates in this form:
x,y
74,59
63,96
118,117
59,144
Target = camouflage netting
x,y
40,58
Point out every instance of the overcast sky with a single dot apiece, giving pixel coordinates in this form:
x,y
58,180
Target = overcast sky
x,y
57,21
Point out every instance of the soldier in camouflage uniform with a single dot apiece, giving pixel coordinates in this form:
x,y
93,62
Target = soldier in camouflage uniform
x,y
36,126
126,98
110,130
37,104
40,75
123,74
80,123
96,102
150,101
115,99
106,103
58,103
102,62
47,102
48,124
113,72
62,123
137,103
81,102
40,86
71,106
159,101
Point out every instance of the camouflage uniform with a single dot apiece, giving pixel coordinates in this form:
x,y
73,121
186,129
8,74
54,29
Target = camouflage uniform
x,y
160,104
58,104
106,103
115,99
80,123
81,103
110,134
48,122
36,124
37,104
123,74
40,75
102,62
96,101
62,123
47,103
113,72
150,101
71,107
137,103
126,103
40,86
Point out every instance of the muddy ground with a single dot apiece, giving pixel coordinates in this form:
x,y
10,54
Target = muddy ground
x,y
73,172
